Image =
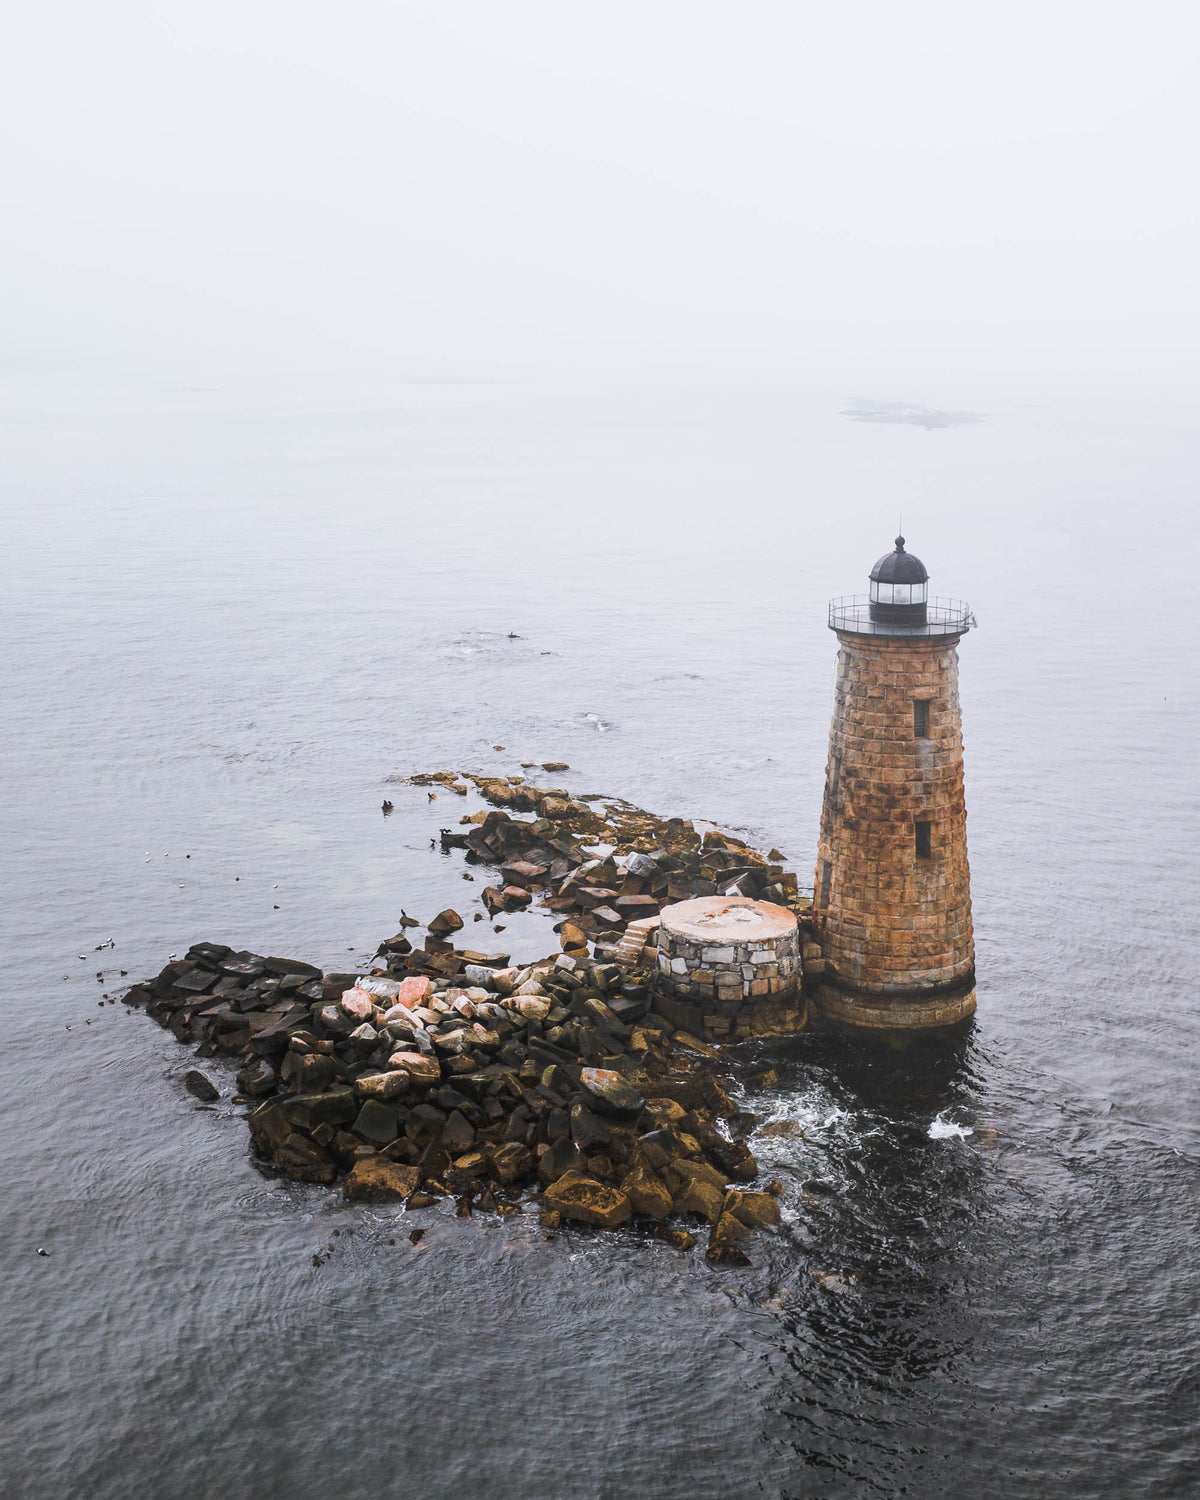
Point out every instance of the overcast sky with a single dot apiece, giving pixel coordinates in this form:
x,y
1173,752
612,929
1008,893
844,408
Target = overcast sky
x,y
440,185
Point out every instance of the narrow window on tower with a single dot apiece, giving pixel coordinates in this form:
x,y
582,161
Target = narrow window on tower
x,y
826,878
920,718
924,842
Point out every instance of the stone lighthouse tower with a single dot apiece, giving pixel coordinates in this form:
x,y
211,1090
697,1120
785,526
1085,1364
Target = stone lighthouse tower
x,y
892,892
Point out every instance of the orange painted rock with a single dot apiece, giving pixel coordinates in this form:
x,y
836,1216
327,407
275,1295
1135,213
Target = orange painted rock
x,y
415,990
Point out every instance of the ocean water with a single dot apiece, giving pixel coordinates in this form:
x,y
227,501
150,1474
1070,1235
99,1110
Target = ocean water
x,y
232,610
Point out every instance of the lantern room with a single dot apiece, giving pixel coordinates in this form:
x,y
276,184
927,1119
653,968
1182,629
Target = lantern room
x,y
899,588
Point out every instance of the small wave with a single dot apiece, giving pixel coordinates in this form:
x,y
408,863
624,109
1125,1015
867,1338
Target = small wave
x,y
942,1129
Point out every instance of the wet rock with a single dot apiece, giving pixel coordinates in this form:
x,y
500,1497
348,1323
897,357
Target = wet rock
x,y
424,1125
610,1094
200,1087
335,1019
663,1112
588,1131
194,981
376,1122
269,1126
754,1210
290,966
445,922
587,1201
376,1177
723,1241
312,1073
678,1239
257,1078
424,1071
302,1161
660,1147
307,1111
695,1189
510,1162
457,1134
465,1171
560,1156
647,1193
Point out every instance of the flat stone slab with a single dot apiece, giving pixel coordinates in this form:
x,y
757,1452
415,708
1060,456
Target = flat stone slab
x,y
716,921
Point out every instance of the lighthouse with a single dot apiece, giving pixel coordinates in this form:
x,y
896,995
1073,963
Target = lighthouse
x,y
892,891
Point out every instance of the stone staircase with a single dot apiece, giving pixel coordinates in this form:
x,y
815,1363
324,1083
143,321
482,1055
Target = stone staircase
x,y
634,940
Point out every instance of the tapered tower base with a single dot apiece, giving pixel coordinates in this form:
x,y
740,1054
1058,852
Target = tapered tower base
x,y
909,1014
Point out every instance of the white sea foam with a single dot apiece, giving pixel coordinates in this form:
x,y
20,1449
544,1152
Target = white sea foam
x,y
942,1129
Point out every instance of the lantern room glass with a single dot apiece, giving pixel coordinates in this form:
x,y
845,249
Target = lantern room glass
x,y
899,593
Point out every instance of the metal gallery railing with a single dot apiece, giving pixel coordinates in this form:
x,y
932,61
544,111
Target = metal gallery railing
x,y
852,612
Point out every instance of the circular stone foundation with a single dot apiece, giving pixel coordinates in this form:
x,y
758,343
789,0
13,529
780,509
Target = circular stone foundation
x,y
725,954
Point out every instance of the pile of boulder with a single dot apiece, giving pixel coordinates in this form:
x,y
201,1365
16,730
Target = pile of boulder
x,y
602,864
446,1071
554,1078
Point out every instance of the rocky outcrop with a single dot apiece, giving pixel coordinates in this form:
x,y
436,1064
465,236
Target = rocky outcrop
x,y
447,1071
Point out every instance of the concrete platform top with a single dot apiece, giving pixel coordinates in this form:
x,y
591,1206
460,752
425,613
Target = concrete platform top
x,y
728,919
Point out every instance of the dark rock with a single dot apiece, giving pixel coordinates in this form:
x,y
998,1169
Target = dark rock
x,y
307,1111
560,1156
466,1170
457,1134
510,1162
610,1094
424,1125
208,953
304,1162
588,1131
696,1188
270,1126
312,1072
734,1158
196,1084
247,965
291,966
434,1162
194,981
385,1086
376,1122
662,1146
257,1078
678,1239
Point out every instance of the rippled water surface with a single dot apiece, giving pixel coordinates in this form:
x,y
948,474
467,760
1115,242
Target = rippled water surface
x,y
231,614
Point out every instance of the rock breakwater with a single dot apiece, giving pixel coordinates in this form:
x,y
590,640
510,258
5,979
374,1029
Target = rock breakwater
x,y
448,1072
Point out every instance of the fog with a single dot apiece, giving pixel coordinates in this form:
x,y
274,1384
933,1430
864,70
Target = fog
x,y
445,188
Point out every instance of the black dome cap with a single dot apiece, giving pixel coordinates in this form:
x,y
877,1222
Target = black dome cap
x,y
899,567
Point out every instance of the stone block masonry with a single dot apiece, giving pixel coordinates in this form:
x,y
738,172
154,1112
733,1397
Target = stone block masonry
x,y
892,883
729,967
